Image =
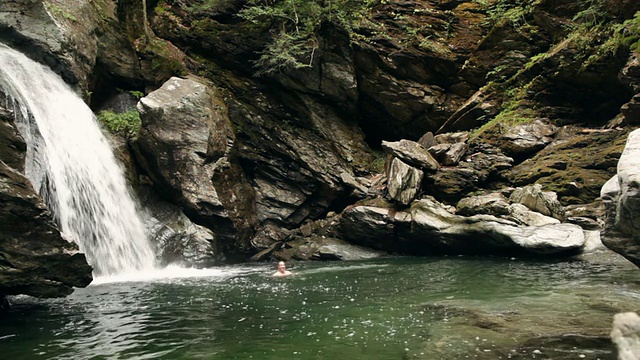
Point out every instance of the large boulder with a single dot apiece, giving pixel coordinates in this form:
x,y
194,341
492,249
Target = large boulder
x,y
544,202
621,196
477,170
429,228
403,181
411,153
186,147
491,204
525,139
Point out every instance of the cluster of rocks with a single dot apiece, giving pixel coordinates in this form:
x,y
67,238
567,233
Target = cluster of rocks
x,y
398,214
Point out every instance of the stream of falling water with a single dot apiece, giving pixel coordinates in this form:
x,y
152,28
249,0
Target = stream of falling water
x,y
70,163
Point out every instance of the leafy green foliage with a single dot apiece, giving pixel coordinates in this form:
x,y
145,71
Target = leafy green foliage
x,y
626,34
136,94
516,13
295,23
126,124
598,33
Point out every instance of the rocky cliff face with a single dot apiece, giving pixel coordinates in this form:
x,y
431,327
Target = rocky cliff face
x,y
35,258
542,92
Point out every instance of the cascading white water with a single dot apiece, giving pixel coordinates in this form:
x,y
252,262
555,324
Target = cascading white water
x,y
70,162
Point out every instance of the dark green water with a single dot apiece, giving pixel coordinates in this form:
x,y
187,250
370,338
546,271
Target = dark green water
x,y
403,308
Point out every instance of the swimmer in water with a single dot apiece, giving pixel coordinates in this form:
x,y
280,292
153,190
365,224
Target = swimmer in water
x,y
282,270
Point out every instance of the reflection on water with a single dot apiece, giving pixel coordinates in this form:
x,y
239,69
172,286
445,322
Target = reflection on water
x,y
415,308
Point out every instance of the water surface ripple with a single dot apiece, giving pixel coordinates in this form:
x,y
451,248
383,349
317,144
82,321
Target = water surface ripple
x,y
399,308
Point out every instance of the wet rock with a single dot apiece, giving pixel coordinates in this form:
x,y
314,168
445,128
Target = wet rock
x,y
549,239
12,145
176,238
35,258
267,235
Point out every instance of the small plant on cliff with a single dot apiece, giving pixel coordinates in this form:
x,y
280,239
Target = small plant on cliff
x,y
59,12
294,25
624,35
126,124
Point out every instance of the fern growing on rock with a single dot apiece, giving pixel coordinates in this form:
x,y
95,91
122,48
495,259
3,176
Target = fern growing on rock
x,y
294,25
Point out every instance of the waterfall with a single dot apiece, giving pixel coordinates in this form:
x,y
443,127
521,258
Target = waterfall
x,y
69,161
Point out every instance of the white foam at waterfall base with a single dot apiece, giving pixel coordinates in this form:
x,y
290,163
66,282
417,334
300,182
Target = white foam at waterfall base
x,y
71,164
173,272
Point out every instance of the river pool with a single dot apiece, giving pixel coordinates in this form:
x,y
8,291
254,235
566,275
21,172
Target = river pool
x,y
392,308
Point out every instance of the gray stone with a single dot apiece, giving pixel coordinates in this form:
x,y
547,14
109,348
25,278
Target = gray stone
x,y
185,146
176,122
448,154
491,204
411,153
544,202
526,139
428,228
427,140
525,216
403,182
177,239
452,138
